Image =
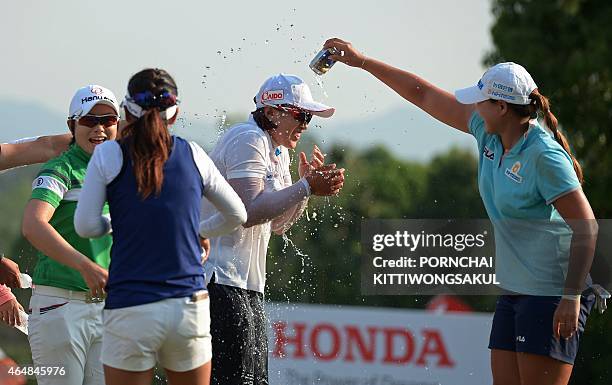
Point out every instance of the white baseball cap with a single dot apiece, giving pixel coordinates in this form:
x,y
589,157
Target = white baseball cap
x,y
509,82
290,89
87,97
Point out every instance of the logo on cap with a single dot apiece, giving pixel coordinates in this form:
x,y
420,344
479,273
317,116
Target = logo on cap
x,y
272,95
97,91
480,85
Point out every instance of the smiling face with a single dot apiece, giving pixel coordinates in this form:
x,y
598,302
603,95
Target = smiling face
x,y
288,129
89,137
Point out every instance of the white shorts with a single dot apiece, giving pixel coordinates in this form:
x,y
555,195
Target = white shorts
x,y
66,333
174,332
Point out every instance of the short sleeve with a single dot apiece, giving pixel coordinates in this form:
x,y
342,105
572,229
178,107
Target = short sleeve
x,y
245,156
476,126
555,175
50,185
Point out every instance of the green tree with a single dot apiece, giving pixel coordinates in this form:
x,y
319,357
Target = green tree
x,y
565,45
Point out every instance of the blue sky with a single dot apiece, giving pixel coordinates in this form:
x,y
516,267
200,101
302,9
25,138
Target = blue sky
x,y
220,53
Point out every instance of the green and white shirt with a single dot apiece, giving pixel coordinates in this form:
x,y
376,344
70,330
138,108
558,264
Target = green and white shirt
x,y
59,183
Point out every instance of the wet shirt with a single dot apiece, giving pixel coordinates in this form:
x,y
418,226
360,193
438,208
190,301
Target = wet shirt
x,y
246,151
532,240
59,183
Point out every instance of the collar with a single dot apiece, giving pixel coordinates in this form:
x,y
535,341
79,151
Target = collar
x,y
520,144
79,152
276,149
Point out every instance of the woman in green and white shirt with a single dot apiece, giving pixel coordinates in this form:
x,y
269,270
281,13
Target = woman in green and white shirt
x,y
69,278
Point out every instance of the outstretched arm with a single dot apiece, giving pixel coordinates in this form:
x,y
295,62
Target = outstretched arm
x,y
28,151
437,102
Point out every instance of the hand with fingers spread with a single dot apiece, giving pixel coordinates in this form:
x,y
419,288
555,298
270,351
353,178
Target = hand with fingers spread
x,y
348,54
9,273
95,277
317,159
565,319
9,313
325,180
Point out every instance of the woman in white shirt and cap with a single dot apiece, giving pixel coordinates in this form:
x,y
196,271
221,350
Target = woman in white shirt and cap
x,y
253,156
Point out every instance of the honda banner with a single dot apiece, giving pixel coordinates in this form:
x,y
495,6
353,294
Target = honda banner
x,y
334,345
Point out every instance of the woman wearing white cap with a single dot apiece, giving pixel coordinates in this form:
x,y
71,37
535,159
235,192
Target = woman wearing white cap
x,y
65,328
530,184
253,156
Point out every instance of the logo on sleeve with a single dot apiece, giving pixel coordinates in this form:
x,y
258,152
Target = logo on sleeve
x,y
51,184
513,173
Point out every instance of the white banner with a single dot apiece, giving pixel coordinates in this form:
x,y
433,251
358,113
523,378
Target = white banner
x,y
334,345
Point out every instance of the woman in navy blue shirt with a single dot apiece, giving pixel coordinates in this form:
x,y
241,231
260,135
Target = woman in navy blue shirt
x,y
157,307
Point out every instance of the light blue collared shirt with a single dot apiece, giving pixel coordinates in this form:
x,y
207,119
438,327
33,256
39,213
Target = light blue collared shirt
x,y
532,240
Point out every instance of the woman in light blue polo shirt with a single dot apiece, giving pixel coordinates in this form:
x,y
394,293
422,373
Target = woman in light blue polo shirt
x,y
530,184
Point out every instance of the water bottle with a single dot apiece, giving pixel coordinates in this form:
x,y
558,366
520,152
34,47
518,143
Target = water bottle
x,y
321,63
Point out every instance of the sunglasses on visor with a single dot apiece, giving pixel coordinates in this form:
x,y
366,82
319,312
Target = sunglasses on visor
x,y
103,120
148,100
297,114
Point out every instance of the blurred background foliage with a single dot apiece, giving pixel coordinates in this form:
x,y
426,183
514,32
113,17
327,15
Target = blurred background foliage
x,y
564,44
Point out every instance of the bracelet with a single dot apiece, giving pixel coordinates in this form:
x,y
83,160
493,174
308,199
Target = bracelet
x,y
363,63
571,297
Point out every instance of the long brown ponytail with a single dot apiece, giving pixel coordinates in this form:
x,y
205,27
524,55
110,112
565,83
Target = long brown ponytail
x,y
541,104
149,141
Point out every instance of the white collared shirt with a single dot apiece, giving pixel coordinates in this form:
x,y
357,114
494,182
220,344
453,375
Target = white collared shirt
x,y
246,151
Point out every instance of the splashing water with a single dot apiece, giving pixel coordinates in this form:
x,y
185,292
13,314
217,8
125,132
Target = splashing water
x,y
221,126
319,81
298,252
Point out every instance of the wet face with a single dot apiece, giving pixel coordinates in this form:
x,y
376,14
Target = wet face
x,y
288,129
103,127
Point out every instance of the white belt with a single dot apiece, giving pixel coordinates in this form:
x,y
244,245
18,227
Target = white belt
x,y
63,293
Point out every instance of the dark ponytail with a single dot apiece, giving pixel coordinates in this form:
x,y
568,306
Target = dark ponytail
x,y
543,105
148,139
540,104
